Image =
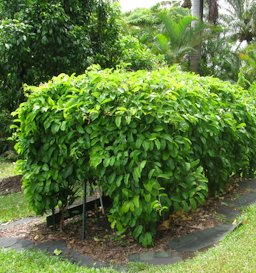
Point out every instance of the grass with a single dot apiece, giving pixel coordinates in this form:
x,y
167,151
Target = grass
x,y
13,206
34,261
7,169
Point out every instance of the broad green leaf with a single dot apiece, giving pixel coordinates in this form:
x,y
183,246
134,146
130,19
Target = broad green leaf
x,y
118,120
137,231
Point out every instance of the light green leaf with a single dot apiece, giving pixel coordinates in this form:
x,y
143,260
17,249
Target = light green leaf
x,y
118,121
57,252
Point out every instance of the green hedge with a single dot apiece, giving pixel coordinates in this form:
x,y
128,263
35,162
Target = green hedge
x,y
156,141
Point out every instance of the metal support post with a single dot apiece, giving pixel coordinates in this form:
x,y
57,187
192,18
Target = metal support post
x,y
84,212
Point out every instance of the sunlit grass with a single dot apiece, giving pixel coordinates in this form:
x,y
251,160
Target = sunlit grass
x,y
13,206
35,262
7,169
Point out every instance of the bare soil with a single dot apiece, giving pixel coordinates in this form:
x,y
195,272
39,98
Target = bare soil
x,y
103,244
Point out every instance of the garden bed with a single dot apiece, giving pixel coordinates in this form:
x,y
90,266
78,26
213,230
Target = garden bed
x,y
103,244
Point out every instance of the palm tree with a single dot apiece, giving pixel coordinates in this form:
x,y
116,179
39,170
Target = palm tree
x,y
197,8
240,18
178,37
213,13
197,11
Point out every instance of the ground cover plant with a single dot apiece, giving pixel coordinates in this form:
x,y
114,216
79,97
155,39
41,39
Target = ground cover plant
x,y
157,142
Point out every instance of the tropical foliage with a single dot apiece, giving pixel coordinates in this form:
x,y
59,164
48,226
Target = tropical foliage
x,y
212,62
179,38
247,74
240,19
48,38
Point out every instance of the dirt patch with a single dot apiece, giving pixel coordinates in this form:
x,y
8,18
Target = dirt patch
x,y
10,185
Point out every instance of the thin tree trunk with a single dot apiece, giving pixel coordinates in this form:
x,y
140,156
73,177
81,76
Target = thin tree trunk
x,y
197,11
213,12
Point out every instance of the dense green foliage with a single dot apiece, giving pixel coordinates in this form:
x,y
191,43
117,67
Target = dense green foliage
x,y
135,56
41,39
166,31
156,141
247,75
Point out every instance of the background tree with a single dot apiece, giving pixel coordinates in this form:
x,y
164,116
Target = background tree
x,y
41,39
240,19
197,10
178,38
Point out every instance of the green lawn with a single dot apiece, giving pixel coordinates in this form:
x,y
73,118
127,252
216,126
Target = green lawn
x,y
14,206
7,169
33,262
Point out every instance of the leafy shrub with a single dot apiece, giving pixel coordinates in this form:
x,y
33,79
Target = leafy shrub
x,y
136,56
155,141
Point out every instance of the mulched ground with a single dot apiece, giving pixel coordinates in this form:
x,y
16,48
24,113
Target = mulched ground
x,y
103,244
